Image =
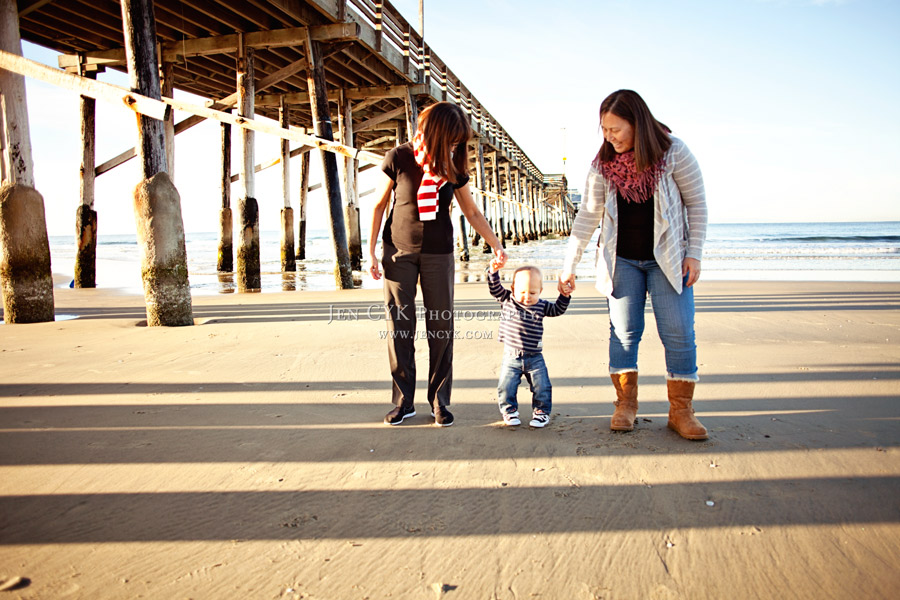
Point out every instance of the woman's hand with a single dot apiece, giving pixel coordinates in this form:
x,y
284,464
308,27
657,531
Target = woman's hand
x,y
566,283
374,270
500,258
691,269
384,187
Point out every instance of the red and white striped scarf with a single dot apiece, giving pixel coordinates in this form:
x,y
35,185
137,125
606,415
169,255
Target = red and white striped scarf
x,y
427,196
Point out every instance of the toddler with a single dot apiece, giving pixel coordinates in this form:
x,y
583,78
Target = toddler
x,y
522,314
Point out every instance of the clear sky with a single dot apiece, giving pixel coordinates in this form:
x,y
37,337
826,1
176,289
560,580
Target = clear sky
x,y
789,105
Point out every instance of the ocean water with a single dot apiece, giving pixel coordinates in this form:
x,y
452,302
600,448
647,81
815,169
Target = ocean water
x,y
746,251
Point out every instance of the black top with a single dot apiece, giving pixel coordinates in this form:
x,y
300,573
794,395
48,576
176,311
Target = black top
x,y
403,229
635,239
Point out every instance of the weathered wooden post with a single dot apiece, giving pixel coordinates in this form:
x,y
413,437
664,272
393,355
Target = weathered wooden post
x,y
225,263
501,220
462,240
318,99
25,274
351,167
304,193
478,185
85,215
288,257
157,205
520,207
412,114
532,214
167,84
248,268
523,205
513,221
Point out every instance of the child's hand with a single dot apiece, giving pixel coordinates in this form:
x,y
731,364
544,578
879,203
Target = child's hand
x,y
499,259
566,284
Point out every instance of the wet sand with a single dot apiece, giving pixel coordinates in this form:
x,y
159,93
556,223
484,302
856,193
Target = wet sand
x,y
245,457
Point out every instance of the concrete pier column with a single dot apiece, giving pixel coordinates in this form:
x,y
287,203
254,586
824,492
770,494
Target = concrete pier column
x,y
25,273
160,234
157,204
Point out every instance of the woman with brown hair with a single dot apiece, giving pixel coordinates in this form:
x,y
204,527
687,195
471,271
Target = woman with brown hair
x,y
645,191
424,176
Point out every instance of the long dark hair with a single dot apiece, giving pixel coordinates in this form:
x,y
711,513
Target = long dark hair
x,y
651,138
446,130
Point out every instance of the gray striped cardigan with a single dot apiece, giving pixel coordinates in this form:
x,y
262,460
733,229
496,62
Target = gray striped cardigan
x,y
679,227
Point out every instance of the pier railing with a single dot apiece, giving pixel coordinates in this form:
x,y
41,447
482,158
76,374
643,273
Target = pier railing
x,y
393,33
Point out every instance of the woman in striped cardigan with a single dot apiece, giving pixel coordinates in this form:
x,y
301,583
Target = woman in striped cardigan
x,y
645,191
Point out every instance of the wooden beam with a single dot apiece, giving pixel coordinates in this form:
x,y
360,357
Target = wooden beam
x,y
375,93
223,44
37,4
377,141
391,114
226,103
157,108
272,162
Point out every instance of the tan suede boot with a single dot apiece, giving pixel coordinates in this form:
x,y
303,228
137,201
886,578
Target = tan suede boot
x,y
626,401
681,413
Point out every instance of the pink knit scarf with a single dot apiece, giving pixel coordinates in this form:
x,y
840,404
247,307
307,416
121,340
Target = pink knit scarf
x,y
427,195
634,187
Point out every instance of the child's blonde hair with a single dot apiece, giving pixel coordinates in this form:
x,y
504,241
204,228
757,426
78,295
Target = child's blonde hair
x,y
535,271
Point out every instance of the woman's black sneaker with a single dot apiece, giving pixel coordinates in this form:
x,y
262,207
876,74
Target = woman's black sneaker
x,y
442,417
396,416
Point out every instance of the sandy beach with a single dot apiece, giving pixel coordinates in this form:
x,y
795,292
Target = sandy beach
x,y
245,457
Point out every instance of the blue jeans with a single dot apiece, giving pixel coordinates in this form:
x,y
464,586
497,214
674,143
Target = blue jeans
x,y
515,364
674,313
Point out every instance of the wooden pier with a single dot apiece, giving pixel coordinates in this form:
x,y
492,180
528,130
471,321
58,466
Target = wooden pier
x,y
347,77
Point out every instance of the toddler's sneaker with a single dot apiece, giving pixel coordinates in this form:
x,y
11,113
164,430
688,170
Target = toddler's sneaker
x,y
539,419
511,419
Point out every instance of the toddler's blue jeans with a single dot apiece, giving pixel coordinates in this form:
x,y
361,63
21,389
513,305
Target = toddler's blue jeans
x,y
516,364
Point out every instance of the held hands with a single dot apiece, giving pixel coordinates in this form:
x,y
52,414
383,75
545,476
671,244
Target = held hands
x,y
499,259
566,284
691,269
